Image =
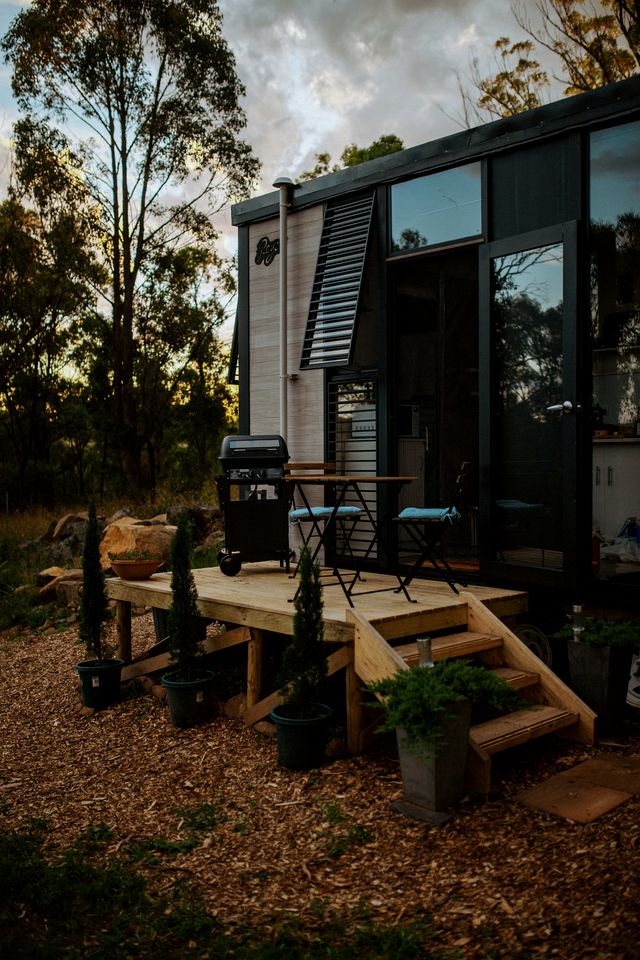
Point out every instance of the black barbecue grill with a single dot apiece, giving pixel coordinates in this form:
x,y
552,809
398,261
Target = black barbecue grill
x,y
255,501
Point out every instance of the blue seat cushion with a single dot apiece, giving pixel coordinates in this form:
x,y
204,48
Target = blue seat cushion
x,y
429,513
323,513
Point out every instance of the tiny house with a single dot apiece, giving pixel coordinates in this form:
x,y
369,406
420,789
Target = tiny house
x,y
473,298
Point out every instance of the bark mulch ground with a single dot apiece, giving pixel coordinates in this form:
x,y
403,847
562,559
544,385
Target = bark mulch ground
x,y
498,880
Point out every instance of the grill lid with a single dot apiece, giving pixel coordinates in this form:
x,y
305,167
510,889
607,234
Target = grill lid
x,y
263,450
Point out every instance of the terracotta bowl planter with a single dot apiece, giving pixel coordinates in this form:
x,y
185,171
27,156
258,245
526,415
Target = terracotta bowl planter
x,y
135,569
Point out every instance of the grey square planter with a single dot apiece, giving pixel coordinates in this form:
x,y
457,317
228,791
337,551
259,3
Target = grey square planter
x,y
431,785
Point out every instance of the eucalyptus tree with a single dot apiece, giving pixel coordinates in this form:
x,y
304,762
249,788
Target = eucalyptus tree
x,y
140,101
591,42
352,155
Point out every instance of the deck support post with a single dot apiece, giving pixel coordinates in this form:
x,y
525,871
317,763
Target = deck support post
x,y
123,629
254,666
355,712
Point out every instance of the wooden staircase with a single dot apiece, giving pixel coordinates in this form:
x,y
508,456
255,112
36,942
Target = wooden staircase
x,y
480,635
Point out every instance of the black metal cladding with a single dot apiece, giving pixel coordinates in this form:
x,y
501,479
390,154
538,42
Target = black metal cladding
x,y
337,286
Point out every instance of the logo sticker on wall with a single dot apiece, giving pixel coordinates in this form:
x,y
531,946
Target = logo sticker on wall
x,y
266,250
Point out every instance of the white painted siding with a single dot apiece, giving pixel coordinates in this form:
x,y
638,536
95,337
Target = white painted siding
x,y
305,398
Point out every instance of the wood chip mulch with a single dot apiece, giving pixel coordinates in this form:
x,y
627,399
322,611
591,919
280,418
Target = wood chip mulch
x,y
498,879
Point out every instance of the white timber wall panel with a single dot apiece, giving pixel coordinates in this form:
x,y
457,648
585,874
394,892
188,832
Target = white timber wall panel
x,y
305,438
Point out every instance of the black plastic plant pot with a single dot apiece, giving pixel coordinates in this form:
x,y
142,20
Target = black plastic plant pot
x,y
100,682
302,742
191,702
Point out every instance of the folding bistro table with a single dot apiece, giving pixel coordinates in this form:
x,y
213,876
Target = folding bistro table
x,y
337,488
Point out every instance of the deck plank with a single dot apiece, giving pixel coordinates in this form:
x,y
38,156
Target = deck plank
x,y
260,596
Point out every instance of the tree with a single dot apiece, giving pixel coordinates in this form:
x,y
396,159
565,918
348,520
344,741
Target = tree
x,y
353,155
148,99
46,279
93,599
595,42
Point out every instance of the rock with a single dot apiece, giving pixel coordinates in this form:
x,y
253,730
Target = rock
x,y
124,535
120,514
68,591
65,587
49,574
71,525
265,728
202,516
63,553
158,691
235,706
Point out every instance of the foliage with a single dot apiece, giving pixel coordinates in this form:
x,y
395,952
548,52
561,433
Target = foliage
x,y
185,644
353,155
419,700
46,278
605,633
595,44
304,660
93,599
81,903
132,110
135,554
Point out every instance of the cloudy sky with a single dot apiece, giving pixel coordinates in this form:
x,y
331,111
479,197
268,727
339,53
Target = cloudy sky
x,y
321,74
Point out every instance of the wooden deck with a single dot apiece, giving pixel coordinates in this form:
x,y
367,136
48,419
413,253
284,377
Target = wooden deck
x,y
260,597
372,640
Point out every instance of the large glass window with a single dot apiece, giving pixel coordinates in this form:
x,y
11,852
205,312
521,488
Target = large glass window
x,y
436,209
615,315
528,479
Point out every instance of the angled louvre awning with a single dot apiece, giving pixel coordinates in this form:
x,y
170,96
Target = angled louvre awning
x,y
233,375
337,286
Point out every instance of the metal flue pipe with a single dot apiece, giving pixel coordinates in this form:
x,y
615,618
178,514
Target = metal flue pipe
x,y
284,185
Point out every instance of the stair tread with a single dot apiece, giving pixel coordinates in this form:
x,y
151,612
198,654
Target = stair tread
x,y
516,677
493,736
453,645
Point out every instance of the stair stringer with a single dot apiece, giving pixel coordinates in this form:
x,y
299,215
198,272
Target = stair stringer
x,y
517,654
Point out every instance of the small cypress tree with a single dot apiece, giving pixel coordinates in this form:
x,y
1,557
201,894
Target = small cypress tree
x,y
304,661
185,644
93,601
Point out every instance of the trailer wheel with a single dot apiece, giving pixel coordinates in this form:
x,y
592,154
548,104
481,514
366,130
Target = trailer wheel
x,y
535,640
229,564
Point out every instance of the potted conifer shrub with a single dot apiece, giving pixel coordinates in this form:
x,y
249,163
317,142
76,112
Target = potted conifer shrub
x,y
599,651
99,673
189,684
430,711
302,720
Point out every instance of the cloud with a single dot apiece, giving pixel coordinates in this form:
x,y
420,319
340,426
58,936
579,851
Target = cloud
x,y
326,74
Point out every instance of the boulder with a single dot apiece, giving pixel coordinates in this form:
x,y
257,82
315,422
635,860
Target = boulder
x,y
120,514
66,587
124,535
71,525
202,516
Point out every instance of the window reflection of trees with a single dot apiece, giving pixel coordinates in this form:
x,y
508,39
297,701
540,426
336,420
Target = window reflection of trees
x,y
615,281
528,333
615,316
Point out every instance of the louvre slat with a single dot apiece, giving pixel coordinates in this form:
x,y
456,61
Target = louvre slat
x,y
335,295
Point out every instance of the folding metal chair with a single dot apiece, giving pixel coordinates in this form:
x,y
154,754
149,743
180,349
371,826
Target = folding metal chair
x,y
315,518
426,526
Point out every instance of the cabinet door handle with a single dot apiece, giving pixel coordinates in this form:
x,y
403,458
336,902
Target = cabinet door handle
x,y
609,476
597,476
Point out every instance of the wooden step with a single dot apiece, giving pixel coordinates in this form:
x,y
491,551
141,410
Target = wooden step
x,y
518,679
462,644
500,734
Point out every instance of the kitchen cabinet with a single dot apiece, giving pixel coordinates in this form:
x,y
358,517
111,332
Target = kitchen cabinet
x,y
616,483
